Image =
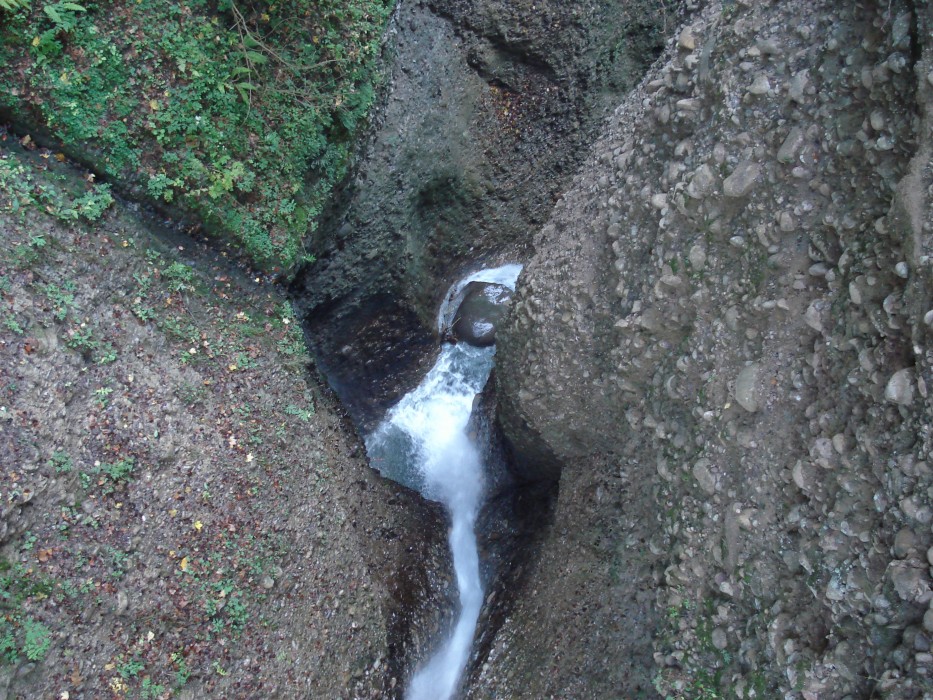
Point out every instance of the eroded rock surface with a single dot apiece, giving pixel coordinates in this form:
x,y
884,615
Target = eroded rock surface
x,y
724,335
488,108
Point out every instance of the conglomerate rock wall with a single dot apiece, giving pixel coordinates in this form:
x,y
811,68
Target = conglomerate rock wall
x,y
724,337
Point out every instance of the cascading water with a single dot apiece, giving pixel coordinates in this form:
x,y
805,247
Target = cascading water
x,y
423,444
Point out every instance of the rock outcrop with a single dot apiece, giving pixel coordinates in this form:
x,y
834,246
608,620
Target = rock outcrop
x,y
724,337
488,108
483,308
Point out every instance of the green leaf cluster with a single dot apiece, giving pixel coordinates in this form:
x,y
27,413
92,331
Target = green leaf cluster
x,y
243,113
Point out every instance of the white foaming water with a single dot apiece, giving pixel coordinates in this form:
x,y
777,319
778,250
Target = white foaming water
x,y
423,444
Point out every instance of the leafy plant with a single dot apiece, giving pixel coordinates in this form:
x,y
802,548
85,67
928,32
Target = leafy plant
x,y
61,462
13,5
182,672
149,690
13,325
110,475
130,668
102,395
92,204
180,277
64,15
302,413
61,298
81,338
37,639
64,18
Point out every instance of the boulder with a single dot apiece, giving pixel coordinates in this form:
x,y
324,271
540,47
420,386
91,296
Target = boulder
x,y
483,307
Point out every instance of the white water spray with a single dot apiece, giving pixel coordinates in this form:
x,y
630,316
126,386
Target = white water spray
x,y
423,444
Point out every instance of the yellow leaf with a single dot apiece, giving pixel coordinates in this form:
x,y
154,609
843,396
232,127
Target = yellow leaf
x,y
35,41
198,525
173,512
184,564
154,105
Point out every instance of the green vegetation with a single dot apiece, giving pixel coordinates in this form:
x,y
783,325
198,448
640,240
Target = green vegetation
x,y
21,190
20,633
61,462
240,112
109,476
226,583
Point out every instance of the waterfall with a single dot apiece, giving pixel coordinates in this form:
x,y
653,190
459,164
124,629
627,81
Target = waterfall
x,y
422,443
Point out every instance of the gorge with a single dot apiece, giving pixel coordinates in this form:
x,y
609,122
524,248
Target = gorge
x,y
706,436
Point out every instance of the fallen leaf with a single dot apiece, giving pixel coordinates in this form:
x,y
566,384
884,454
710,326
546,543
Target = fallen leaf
x,y
198,525
184,564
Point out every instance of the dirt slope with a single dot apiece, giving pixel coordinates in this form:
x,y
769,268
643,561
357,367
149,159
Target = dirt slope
x,y
183,514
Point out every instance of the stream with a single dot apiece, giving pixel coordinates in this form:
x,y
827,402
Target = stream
x,y
423,443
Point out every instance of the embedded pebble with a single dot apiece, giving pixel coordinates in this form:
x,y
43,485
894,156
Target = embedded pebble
x,y
900,388
761,85
904,541
742,180
787,153
702,183
704,476
746,387
798,85
697,257
686,40
719,638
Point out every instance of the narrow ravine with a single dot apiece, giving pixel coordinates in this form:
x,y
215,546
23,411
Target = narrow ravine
x,y
423,443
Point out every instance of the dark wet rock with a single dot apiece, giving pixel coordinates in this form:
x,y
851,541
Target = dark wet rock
x,y
483,307
487,108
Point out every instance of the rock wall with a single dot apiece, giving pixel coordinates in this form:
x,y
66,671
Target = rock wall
x,y
487,109
724,337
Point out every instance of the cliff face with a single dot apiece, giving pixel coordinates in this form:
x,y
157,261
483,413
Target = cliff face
x,y
488,107
724,338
